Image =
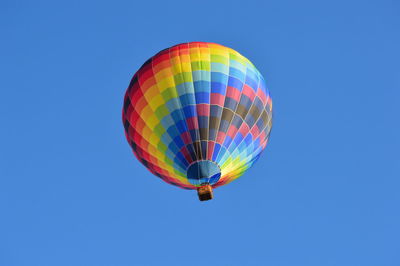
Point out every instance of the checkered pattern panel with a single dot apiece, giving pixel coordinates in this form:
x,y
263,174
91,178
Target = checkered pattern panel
x,y
197,102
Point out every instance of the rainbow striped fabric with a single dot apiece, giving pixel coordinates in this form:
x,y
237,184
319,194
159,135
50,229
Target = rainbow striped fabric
x,y
197,113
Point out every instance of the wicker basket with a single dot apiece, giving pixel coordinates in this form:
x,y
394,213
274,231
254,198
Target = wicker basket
x,y
205,192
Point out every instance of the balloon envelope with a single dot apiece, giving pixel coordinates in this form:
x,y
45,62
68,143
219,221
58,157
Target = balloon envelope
x,y
197,113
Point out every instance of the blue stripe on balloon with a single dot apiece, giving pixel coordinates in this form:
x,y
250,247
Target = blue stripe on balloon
x,y
203,97
235,83
219,77
217,148
178,141
217,87
227,141
181,125
234,72
202,86
189,111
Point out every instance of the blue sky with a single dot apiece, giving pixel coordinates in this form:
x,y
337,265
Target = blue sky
x,y
325,192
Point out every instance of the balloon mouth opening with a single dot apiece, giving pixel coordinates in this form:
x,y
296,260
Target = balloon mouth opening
x,y
203,172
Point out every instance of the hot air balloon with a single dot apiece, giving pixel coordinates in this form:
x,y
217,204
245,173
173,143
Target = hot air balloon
x,y
197,115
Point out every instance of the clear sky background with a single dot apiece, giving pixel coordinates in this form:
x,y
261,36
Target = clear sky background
x,y
325,192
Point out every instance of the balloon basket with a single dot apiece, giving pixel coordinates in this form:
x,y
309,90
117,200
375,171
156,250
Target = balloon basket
x,y
205,192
